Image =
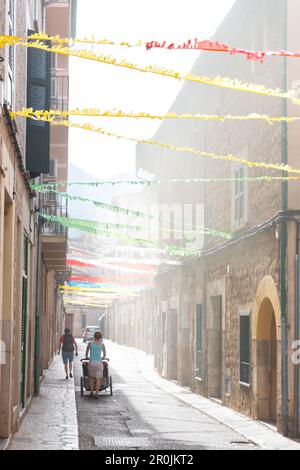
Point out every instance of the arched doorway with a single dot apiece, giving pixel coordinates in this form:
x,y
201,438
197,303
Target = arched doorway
x,y
266,343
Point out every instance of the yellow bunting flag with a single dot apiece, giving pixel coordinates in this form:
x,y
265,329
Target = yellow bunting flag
x,y
51,115
221,82
232,158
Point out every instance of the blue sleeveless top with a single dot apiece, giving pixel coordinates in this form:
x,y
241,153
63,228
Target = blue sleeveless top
x,y
96,351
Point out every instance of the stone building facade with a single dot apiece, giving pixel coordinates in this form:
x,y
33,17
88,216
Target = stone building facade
x,y
225,323
31,311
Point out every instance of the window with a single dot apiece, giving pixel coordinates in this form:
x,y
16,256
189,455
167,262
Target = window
x,y
239,197
11,52
245,347
38,97
199,341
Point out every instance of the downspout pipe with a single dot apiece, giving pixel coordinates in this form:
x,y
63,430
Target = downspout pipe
x,y
38,312
296,330
283,233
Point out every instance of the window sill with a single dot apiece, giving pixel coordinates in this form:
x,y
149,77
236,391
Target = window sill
x,y
198,379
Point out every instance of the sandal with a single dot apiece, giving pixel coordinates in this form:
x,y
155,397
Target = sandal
x,y
92,394
96,397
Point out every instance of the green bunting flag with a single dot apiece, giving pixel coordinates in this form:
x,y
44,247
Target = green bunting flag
x,y
49,187
106,230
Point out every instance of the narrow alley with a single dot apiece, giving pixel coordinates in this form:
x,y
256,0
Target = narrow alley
x,y
145,412
150,200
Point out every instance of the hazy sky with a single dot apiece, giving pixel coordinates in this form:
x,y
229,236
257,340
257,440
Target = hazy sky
x,y
109,87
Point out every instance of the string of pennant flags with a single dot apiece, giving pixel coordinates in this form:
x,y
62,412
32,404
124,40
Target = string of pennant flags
x,y
73,224
52,186
122,210
90,286
52,115
101,228
190,44
221,82
230,158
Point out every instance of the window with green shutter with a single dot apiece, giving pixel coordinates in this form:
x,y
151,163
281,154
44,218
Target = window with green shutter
x,y
245,347
38,97
199,341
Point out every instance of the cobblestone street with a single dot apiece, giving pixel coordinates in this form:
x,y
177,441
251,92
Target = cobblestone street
x,y
145,412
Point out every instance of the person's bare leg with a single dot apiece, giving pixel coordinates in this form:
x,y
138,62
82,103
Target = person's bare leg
x,y
70,368
91,379
98,383
66,370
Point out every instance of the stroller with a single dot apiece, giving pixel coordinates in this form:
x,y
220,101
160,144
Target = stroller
x,y
84,379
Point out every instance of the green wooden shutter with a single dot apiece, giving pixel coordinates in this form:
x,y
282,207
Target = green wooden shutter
x,y
38,97
245,347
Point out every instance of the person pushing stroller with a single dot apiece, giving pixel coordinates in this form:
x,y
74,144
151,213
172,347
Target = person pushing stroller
x,y
96,352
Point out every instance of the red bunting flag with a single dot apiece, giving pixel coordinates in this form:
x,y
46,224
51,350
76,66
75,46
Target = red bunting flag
x,y
215,46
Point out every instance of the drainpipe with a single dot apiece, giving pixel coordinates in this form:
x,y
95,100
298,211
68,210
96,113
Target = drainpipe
x,y
283,233
37,346
296,331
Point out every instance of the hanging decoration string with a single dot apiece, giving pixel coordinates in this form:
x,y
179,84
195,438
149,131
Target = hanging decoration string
x,y
106,227
110,285
190,44
140,270
171,250
51,187
96,289
211,155
52,115
118,209
124,278
102,205
221,82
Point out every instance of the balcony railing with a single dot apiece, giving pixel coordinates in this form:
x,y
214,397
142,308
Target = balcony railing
x,y
54,204
59,91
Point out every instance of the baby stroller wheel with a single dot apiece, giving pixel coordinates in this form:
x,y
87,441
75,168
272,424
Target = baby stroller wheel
x,y
110,386
81,386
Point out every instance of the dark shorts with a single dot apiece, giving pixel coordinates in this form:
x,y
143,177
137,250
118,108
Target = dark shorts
x,y
67,357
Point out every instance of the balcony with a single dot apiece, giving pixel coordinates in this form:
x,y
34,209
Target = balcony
x,y
54,235
59,90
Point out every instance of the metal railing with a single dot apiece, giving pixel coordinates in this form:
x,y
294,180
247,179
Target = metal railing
x,y
59,91
53,204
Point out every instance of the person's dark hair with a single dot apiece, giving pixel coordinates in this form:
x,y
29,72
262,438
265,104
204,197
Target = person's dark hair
x,y
98,335
67,331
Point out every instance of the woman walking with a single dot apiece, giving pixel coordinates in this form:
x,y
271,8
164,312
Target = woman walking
x,y
68,344
96,352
